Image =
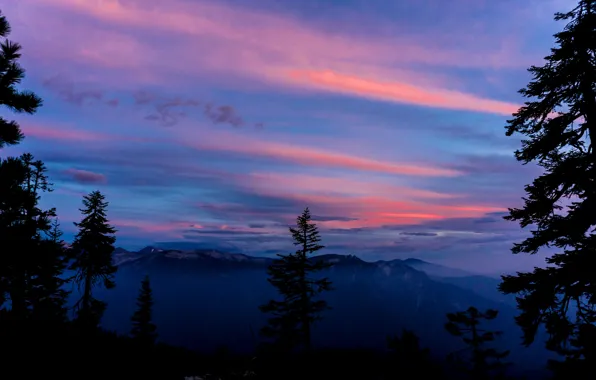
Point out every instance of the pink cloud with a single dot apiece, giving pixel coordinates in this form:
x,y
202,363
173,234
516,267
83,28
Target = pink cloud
x,y
311,156
60,132
272,48
141,228
401,92
371,211
363,203
85,176
225,142
267,31
292,183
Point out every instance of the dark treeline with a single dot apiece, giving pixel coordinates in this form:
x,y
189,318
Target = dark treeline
x,y
41,335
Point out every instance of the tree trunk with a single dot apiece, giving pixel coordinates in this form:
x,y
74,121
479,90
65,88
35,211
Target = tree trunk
x,y
85,314
305,299
18,297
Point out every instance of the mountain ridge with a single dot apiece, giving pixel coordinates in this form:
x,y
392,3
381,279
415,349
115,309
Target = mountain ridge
x,y
206,298
211,259
236,256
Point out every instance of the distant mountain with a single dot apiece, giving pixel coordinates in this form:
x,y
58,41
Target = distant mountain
x,y
121,255
208,259
195,261
436,270
189,246
206,298
482,285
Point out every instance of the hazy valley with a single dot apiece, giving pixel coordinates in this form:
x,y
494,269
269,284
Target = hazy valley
x,y
208,299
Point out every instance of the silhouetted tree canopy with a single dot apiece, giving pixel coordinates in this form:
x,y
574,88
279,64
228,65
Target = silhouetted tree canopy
x,y
93,250
32,259
483,361
143,328
11,74
558,123
291,274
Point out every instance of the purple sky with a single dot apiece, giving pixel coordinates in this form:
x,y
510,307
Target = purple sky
x,y
220,120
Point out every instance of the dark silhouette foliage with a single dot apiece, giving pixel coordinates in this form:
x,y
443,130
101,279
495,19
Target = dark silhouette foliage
x,y
49,284
93,250
483,361
291,274
11,74
33,262
143,328
559,126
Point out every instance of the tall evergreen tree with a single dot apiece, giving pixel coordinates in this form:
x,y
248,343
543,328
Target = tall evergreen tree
x,y
30,271
291,274
93,250
483,361
12,177
48,284
13,172
559,125
143,328
11,74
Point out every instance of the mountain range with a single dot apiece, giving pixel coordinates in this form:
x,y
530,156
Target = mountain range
x,y
208,298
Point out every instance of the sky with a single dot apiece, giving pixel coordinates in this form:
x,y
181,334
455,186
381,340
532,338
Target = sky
x,y
219,121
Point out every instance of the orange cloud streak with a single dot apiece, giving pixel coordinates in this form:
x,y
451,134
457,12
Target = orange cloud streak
x,y
54,132
224,142
172,229
401,92
330,185
316,157
380,211
58,132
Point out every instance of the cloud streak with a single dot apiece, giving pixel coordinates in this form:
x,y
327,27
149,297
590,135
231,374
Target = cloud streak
x,y
225,142
304,155
85,176
279,50
402,92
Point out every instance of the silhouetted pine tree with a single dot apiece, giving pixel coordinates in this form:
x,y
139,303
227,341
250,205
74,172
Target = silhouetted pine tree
x,y
11,74
93,250
48,284
30,270
143,328
291,274
559,126
12,177
483,361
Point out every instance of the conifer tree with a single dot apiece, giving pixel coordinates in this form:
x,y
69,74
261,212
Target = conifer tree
x,y
11,74
143,328
12,177
93,250
13,171
30,271
48,284
483,360
291,274
558,123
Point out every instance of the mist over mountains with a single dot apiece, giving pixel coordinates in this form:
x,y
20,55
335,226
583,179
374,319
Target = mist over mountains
x,y
208,299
